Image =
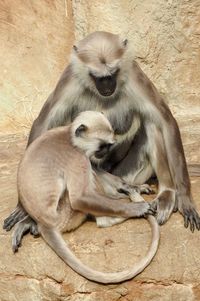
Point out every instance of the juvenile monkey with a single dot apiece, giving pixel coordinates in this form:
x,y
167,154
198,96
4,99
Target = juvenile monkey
x,y
103,76
58,188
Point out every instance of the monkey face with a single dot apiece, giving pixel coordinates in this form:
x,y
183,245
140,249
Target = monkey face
x,y
103,150
106,85
93,133
96,61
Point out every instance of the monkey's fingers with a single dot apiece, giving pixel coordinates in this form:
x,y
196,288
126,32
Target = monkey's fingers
x,y
143,189
191,218
154,205
146,189
151,210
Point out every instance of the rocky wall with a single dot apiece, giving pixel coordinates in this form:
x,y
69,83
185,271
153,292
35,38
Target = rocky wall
x,y
35,41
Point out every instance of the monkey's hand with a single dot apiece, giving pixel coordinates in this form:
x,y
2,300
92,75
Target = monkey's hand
x,y
146,208
136,197
190,215
143,189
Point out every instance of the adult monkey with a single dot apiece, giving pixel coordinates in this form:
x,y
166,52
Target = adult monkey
x,y
103,76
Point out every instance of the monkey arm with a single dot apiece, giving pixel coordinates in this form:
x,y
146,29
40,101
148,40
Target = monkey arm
x,y
58,109
98,205
175,154
179,172
152,106
116,188
157,112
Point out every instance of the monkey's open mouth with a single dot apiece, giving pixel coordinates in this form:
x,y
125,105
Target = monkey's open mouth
x,y
105,85
106,90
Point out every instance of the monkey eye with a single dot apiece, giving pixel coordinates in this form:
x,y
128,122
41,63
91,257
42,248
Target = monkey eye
x,y
92,75
82,128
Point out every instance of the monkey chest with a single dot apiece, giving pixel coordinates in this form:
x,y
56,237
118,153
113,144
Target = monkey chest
x,y
123,122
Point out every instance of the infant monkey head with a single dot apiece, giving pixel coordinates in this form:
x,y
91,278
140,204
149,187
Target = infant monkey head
x,y
92,133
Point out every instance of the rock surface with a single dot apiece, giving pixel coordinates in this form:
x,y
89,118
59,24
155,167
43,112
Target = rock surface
x,y
35,273
36,38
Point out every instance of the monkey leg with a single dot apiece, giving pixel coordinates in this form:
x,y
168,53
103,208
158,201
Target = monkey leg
x,y
165,200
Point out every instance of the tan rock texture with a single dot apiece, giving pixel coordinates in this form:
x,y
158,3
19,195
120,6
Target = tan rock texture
x,y
36,38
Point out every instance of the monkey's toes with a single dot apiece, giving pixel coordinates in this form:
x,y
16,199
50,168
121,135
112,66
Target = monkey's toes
x,y
16,242
34,229
13,218
162,215
144,189
191,218
10,221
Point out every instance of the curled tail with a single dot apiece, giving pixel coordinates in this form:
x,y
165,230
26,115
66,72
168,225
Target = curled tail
x,y
57,243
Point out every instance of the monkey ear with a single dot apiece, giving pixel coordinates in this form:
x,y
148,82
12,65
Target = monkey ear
x,y
75,48
125,42
82,128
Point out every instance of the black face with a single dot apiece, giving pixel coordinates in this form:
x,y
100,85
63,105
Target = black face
x,y
103,150
105,85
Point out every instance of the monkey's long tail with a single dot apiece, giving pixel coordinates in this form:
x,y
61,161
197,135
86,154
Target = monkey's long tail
x,y
57,243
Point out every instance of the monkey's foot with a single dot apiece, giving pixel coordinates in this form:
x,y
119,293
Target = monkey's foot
x,y
23,227
164,205
128,189
108,221
143,189
17,215
190,215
